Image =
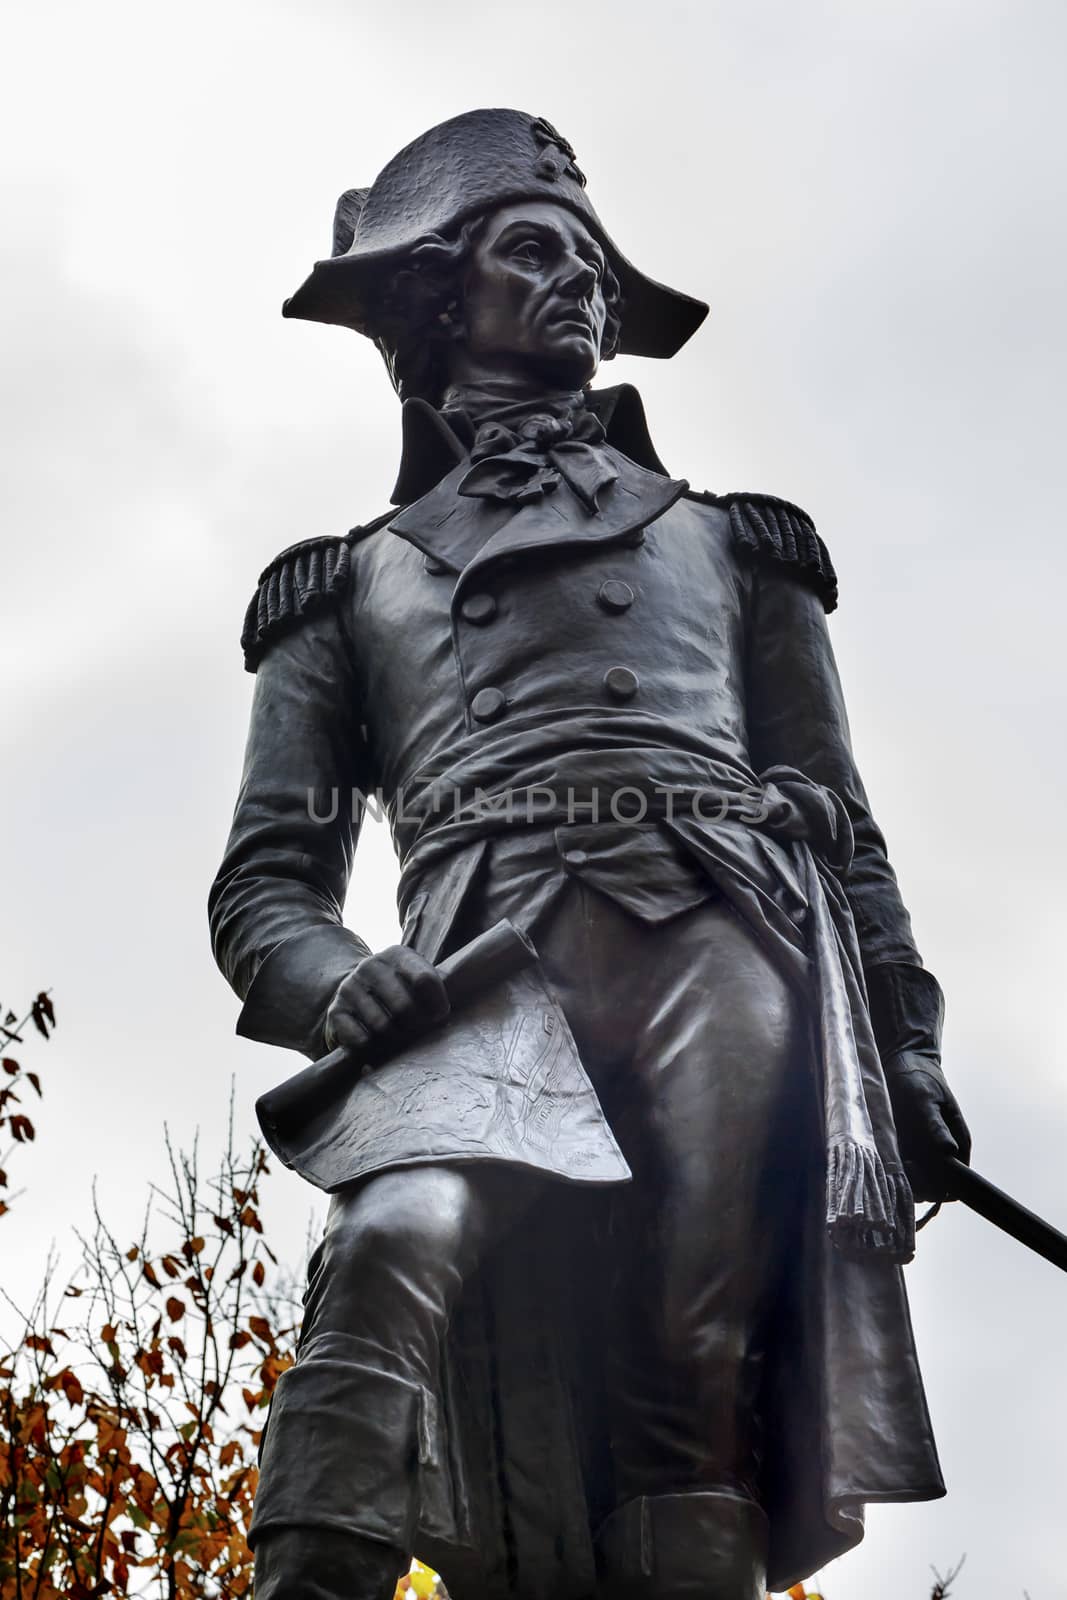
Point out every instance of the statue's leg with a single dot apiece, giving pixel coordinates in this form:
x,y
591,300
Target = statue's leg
x,y
338,1496
704,1115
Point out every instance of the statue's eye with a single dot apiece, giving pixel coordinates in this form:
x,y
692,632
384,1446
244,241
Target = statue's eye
x,y
530,252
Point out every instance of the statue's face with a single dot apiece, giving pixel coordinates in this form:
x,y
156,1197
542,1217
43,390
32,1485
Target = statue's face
x,y
533,299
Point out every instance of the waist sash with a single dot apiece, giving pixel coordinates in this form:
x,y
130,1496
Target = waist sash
x,y
777,845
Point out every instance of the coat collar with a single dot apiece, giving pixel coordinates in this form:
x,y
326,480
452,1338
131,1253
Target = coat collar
x,y
463,533
432,444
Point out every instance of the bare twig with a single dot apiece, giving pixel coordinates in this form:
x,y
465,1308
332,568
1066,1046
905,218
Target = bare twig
x,y
943,1584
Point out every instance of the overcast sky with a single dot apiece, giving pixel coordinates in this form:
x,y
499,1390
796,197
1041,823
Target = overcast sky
x,y
870,195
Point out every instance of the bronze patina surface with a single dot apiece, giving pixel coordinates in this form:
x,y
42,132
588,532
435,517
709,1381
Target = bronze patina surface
x,y
603,706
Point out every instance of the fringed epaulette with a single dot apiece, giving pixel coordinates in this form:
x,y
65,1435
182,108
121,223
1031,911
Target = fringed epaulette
x,y
307,578
768,529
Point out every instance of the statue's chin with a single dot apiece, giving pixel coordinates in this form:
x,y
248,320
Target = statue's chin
x,y
567,363
565,359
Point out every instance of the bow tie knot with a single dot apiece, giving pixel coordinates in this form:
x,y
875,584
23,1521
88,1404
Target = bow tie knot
x,y
523,462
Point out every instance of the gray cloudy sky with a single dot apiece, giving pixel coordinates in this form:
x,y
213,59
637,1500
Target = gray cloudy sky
x,y
871,196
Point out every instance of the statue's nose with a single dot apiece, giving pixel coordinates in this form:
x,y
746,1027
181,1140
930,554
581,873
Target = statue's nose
x,y
579,276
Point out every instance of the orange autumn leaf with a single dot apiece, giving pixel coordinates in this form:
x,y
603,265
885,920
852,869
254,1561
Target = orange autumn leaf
x,y
71,1386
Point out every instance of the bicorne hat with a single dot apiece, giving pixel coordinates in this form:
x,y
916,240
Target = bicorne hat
x,y
471,164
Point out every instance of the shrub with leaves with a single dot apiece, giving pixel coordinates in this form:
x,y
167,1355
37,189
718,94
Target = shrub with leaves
x,y
14,1081
129,1424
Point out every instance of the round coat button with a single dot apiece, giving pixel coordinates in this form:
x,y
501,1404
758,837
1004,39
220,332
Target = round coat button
x,y
614,595
621,683
575,858
479,608
488,704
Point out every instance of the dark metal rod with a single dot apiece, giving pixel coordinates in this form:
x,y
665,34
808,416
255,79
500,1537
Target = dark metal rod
x,y
1007,1214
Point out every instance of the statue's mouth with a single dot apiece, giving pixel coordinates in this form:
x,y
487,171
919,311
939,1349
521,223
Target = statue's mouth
x,y
571,317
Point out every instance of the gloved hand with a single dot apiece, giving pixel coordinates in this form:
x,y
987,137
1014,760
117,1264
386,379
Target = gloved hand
x,y
930,1124
389,997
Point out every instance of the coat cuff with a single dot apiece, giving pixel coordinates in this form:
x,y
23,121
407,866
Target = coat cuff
x,y
907,1009
291,993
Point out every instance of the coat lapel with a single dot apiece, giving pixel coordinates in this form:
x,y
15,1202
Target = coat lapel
x,y
635,499
450,527
464,533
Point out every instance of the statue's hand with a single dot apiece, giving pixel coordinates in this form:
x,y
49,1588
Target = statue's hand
x,y
930,1125
388,998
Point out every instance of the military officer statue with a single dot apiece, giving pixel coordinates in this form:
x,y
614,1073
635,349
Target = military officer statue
x,y
604,706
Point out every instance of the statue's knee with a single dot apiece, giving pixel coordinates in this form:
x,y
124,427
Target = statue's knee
x,y
402,1224
761,1014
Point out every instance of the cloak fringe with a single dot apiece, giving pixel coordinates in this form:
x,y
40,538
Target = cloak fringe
x,y
867,1208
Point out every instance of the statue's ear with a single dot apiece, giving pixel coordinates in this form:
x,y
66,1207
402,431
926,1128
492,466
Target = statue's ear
x,y
346,219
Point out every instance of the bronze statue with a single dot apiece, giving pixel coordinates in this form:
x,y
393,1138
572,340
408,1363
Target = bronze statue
x,y
604,707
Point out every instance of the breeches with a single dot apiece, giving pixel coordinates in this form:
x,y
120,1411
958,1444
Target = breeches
x,y
694,1044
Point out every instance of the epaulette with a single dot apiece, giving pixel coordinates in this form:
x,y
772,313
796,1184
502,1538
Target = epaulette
x,y
307,578
768,529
